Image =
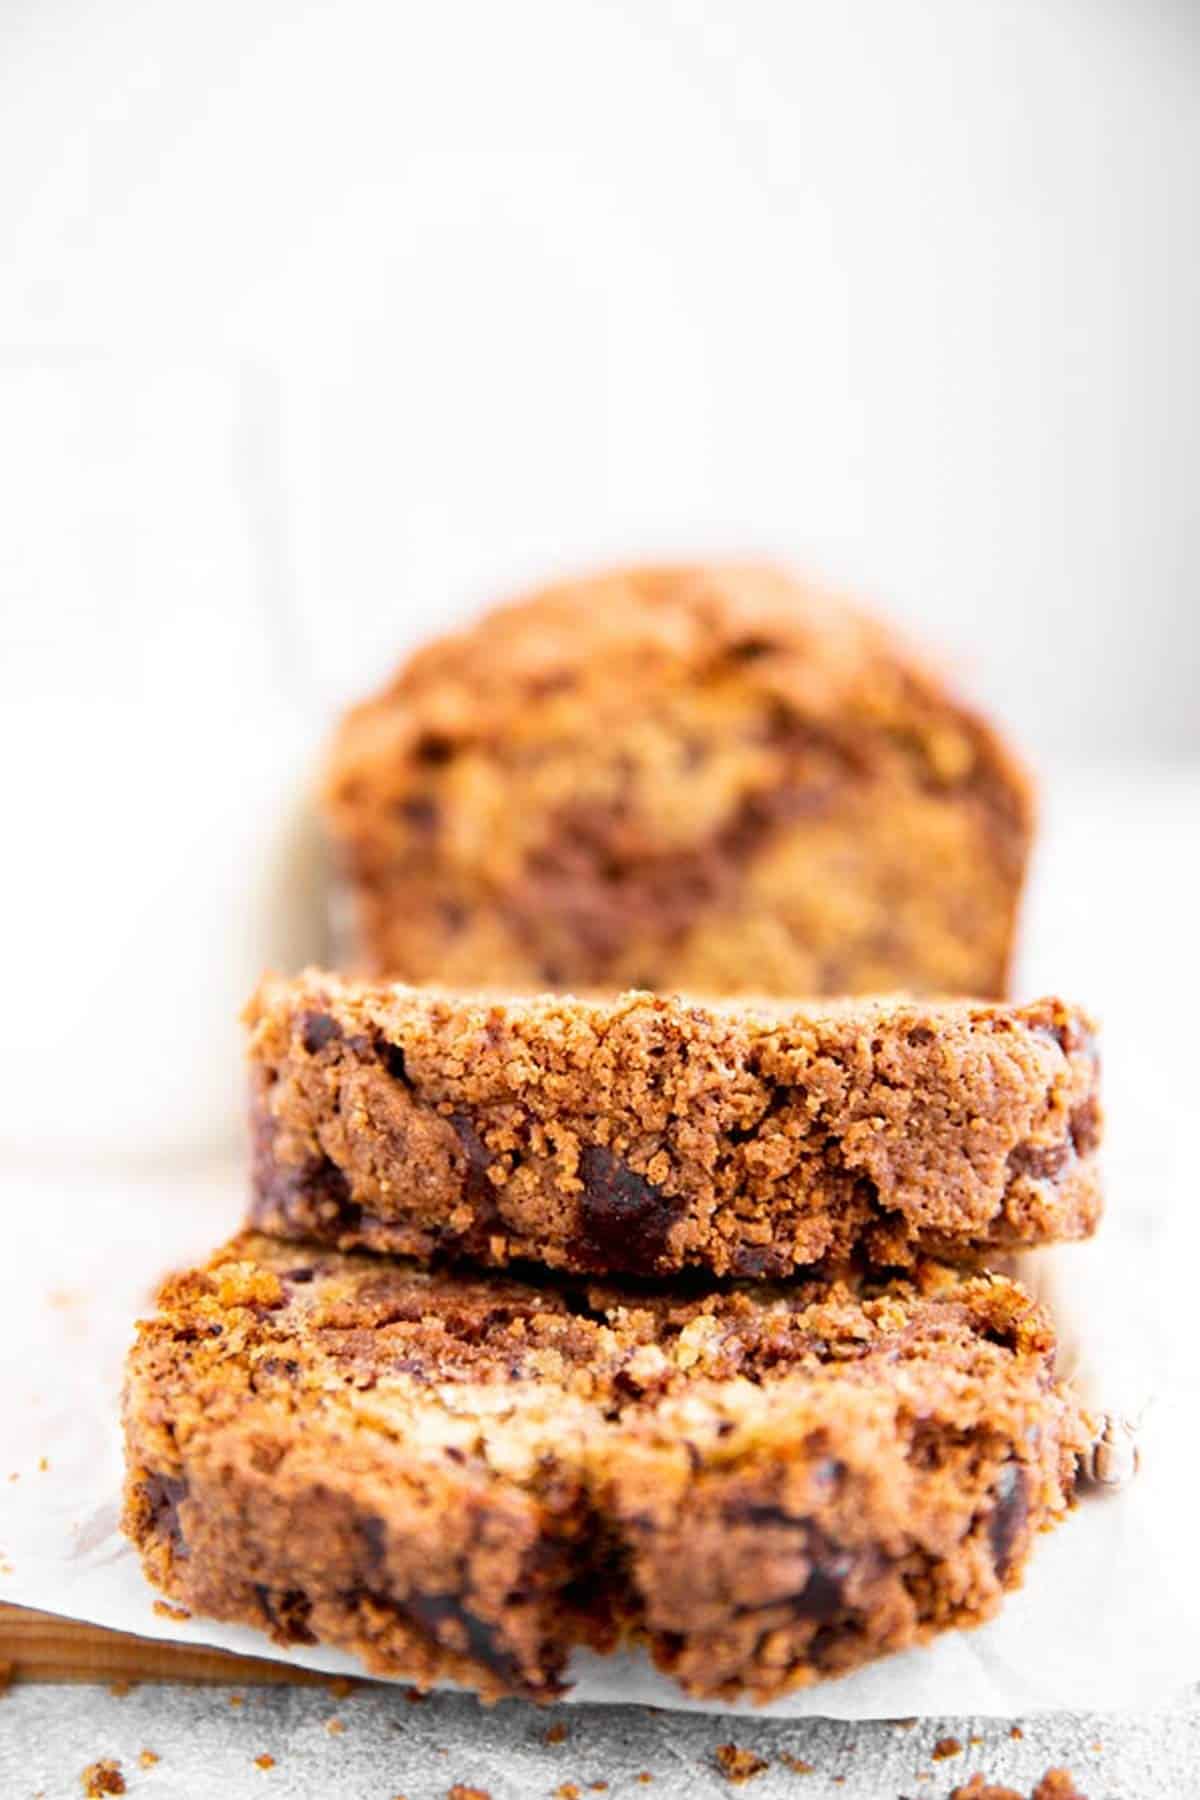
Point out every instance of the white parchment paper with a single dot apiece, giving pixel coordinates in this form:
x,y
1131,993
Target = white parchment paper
x,y
1110,1613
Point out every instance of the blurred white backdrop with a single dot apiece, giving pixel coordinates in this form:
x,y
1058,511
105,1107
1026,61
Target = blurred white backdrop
x,y
321,326
904,289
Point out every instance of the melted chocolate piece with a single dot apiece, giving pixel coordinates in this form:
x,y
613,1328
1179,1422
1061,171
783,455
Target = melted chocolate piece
x,y
1008,1516
318,1029
287,1612
823,1595
624,1220
1040,1164
315,1190
164,1496
469,1635
1085,1127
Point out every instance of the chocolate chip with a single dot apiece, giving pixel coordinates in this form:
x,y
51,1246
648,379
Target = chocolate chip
x,y
314,1192
164,1496
756,1260
454,1626
624,1220
318,1029
374,1536
1008,1517
920,1035
1040,1164
420,811
1085,1126
299,1275
392,1058
286,1611
823,1594
751,649
433,747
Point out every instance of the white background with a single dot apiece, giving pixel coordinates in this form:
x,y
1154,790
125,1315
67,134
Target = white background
x,y
321,325
907,289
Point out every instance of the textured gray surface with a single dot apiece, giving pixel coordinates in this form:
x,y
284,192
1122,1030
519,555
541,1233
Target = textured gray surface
x,y
388,1746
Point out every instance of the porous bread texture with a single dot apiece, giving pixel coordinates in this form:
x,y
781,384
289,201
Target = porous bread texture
x,y
647,1134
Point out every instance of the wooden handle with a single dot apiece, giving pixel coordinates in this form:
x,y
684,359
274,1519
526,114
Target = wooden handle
x,y
36,1646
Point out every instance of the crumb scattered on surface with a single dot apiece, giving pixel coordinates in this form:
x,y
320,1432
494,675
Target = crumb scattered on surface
x,y
946,1747
739,1765
974,1741
415,1697
904,1724
567,1790
1016,1732
148,1758
43,1464
103,1777
459,1792
166,1611
340,1685
555,1734
796,1764
598,1787
119,1688
237,1699
1056,1784
645,1777
335,1726
265,1761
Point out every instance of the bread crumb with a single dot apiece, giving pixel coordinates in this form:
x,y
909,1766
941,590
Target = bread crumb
x,y
1057,1784
334,1727
1016,1732
566,1790
340,1685
120,1687
974,1742
946,1747
237,1699
598,1787
103,1777
796,1764
555,1734
43,1464
739,1765
165,1611
459,1792
148,1758
265,1761
645,1777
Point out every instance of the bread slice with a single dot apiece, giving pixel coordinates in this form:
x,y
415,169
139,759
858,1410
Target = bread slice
x,y
462,1477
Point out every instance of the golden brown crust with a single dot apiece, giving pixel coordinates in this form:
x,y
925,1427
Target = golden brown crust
x,y
647,1134
464,1477
708,777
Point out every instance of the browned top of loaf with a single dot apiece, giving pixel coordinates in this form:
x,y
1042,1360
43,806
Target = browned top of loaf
x,y
507,673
